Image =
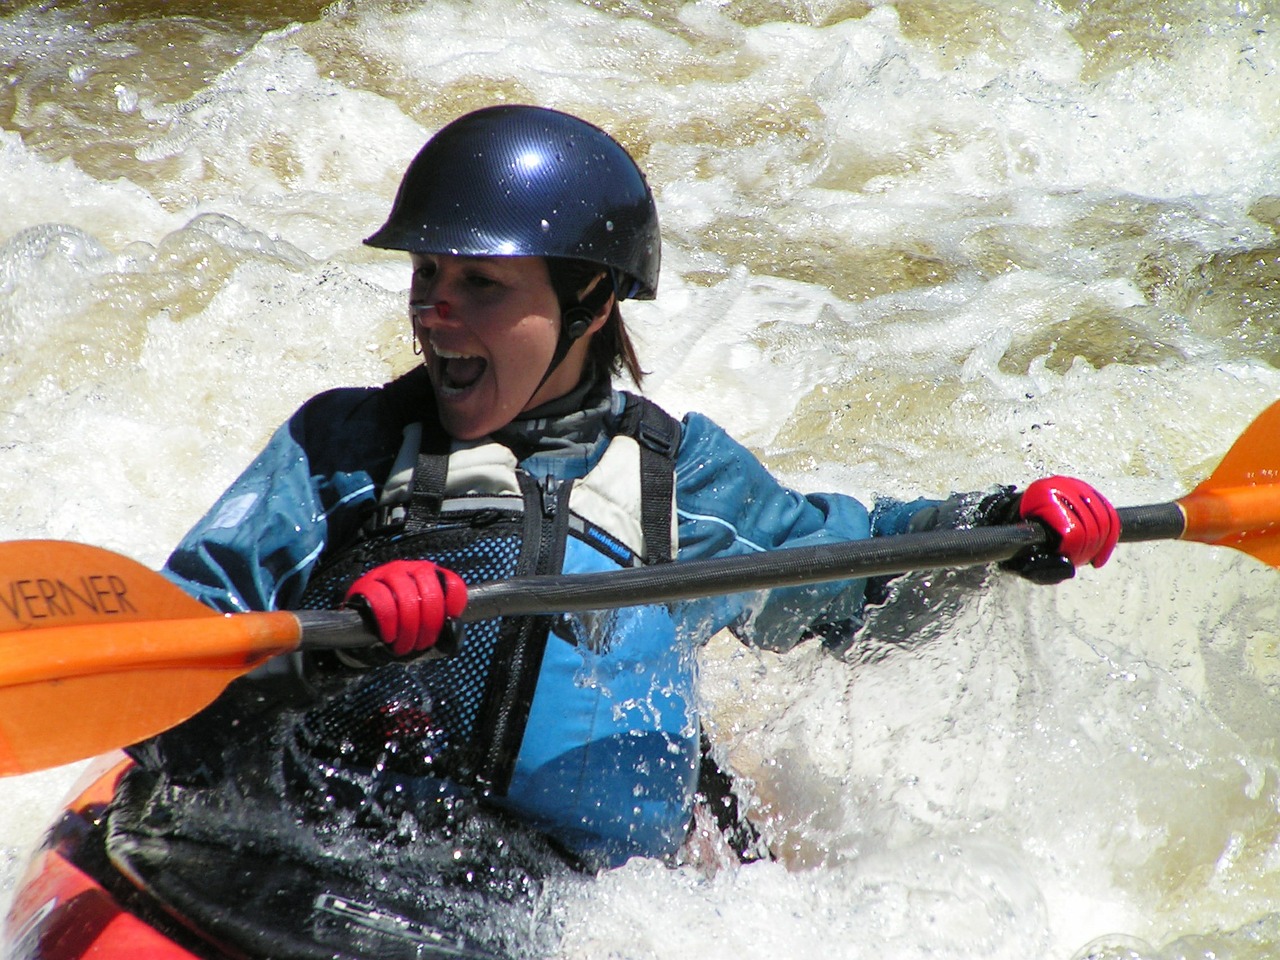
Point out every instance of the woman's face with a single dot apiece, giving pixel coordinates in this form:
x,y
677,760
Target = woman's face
x,y
489,339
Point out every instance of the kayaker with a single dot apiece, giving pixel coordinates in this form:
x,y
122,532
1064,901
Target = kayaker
x,y
510,451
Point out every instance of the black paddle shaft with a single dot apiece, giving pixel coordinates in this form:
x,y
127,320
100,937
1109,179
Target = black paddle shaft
x,y
795,566
878,556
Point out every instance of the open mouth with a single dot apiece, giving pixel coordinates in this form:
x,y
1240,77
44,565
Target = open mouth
x,y
457,372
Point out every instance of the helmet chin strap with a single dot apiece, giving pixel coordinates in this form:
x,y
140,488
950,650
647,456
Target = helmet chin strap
x,y
575,321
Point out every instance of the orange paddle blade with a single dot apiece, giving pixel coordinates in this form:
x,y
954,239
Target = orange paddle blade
x,y
52,583
1239,504
98,651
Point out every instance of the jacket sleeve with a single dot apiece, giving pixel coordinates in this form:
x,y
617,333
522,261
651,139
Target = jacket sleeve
x,y
311,486
728,504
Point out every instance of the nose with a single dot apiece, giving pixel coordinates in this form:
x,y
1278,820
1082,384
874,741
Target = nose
x,y
422,313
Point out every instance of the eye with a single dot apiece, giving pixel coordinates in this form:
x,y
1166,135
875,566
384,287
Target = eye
x,y
424,269
482,281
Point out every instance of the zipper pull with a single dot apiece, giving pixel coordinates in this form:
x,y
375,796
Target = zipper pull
x,y
550,495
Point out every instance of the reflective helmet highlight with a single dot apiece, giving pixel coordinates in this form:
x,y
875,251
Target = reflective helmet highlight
x,y
528,181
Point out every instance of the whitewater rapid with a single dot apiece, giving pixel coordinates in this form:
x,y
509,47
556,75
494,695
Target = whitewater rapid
x,y
910,248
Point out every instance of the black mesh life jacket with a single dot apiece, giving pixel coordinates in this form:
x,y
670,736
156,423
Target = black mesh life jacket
x,y
464,716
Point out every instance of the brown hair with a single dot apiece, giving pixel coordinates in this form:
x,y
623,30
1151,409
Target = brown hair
x,y
611,350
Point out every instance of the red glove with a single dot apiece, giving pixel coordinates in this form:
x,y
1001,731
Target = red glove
x,y
409,600
1085,522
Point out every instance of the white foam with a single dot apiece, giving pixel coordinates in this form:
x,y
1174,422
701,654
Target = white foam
x,y
887,238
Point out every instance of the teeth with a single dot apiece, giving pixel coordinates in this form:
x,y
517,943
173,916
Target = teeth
x,y
458,371
450,354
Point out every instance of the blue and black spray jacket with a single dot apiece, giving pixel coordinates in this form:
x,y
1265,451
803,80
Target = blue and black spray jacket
x,y
584,726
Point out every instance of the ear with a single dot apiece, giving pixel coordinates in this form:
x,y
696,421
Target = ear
x,y
601,317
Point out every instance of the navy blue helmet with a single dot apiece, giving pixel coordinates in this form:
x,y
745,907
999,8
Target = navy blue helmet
x,y
528,181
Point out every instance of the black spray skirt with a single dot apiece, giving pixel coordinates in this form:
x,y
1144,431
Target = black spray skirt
x,y
240,831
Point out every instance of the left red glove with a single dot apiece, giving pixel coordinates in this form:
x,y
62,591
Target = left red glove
x,y
410,601
1085,522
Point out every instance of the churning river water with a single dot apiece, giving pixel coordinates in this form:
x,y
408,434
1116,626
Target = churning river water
x,y
910,248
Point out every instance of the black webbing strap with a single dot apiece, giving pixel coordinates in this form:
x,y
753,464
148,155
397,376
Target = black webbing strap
x,y
409,399
658,435
427,496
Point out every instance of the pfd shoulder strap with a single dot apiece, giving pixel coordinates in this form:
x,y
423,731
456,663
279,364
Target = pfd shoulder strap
x,y
429,478
409,402
658,435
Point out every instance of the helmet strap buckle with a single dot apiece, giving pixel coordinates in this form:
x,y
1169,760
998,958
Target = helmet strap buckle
x,y
576,321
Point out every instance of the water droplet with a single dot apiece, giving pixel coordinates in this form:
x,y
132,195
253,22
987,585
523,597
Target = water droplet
x,y
545,226
608,225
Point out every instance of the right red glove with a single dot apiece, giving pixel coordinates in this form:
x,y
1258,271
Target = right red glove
x,y
1085,522
410,600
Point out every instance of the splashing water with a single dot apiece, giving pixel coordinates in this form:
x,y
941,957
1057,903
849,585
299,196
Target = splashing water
x,y
910,248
